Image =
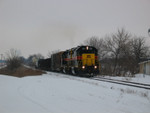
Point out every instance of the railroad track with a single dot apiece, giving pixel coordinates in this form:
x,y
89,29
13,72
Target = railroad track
x,y
122,82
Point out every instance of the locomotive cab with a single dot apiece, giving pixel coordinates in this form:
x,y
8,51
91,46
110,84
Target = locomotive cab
x,y
89,60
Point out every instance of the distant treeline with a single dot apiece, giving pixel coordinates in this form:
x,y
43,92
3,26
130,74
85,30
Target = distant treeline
x,y
120,53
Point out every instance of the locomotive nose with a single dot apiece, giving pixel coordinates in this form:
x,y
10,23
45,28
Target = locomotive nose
x,y
88,59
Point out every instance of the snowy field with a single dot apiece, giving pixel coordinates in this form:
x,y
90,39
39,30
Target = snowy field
x,y
59,93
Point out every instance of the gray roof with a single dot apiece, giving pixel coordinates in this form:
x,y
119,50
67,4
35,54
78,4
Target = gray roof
x,y
147,61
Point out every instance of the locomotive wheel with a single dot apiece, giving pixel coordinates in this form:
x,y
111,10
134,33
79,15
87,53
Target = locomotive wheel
x,y
73,71
64,70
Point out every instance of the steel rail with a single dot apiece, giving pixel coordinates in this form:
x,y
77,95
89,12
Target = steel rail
x,y
122,83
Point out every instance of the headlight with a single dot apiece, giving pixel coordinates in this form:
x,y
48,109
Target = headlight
x,y
83,67
95,67
87,47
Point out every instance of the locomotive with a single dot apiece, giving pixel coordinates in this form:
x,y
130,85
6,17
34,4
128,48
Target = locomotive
x,y
81,60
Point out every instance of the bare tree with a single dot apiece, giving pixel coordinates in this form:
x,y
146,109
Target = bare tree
x,y
139,49
13,59
117,46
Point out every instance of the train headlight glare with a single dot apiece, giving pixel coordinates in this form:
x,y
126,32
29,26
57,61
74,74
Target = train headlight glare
x,y
87,47
95,67
83,67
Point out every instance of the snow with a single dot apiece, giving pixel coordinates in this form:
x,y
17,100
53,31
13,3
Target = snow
x,y
140,78
59,93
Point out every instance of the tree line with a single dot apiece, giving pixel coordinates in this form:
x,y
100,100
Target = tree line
x,y
120,53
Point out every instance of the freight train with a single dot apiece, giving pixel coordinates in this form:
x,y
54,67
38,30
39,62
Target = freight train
x,y
81,60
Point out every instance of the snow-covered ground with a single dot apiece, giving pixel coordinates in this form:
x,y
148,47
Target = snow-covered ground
x,y
59,93
140,78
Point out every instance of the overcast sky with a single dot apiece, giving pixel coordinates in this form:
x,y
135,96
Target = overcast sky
x,y
39,26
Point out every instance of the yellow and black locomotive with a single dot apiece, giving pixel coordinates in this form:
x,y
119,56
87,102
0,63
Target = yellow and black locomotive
x,y
82,60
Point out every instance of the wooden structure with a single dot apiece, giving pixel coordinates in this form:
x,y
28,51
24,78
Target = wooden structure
x,y
145,67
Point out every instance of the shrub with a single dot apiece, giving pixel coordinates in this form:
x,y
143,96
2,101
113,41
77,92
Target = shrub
x,y
13,60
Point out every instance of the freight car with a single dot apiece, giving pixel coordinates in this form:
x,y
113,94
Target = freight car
x,y
81,60
56,61
44,64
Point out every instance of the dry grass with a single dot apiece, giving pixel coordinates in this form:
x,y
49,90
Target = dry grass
x,y
144,94
21,72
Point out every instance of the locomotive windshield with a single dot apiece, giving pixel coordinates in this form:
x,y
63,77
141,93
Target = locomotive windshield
x,y
87,49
